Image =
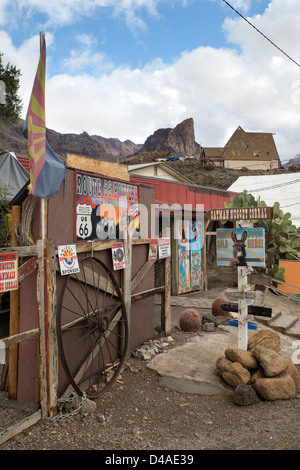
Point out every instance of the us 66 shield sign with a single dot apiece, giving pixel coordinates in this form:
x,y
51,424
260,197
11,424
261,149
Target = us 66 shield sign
x,y
83,221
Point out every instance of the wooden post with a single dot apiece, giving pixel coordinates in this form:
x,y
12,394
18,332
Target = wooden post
x,y
52,350
126,281
41,308
166,297
13,316
242,312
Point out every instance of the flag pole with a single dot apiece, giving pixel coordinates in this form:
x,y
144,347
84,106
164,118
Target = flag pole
x,y
42,34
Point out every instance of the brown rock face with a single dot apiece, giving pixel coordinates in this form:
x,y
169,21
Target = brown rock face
x,y
180,140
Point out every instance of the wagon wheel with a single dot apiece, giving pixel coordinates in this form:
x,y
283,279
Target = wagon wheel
x,y
92,328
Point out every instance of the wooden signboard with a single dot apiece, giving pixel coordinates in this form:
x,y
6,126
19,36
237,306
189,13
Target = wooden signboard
x,y
240,213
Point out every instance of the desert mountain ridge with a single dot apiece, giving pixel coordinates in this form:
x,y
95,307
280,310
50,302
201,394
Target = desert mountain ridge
x,y
180,140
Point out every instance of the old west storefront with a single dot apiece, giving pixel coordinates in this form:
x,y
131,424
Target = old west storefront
x,y
93,204
180,210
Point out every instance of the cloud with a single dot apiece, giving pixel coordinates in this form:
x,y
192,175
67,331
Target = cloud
x,y
249,84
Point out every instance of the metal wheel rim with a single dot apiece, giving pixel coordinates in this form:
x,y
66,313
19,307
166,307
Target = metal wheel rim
x,y
98,321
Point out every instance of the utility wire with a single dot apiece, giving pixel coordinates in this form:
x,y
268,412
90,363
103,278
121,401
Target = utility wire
x,y
262,34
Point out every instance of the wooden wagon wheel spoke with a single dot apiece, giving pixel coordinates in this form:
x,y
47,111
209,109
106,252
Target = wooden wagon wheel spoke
x,y
92,329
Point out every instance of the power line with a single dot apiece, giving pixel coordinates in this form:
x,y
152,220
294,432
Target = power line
x,y
262,34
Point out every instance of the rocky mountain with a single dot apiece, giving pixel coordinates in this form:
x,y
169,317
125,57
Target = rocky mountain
x,y
12,139
293,162
179,141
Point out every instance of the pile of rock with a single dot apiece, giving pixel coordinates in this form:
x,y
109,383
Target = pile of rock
x,y
152,347
261,371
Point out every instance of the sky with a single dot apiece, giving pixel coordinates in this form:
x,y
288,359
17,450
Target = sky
x,y
125,68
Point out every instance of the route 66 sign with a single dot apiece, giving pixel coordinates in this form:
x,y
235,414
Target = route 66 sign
x,y
83,221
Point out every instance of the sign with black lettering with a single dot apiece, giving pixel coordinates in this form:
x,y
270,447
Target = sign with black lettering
x,y
240,213
240,247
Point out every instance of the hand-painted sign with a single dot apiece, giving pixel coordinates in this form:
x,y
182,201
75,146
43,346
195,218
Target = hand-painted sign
x,y
164,248
240,213
8,272
105,207
241,247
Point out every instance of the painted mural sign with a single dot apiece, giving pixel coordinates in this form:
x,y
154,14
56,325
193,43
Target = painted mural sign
x,y
105,207
183,256
195,253
8,272
241,247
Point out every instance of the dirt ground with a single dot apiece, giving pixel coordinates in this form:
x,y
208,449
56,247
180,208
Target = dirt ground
x,y
138,415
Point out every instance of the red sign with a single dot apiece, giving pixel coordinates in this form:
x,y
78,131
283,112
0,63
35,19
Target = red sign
x,y
8,272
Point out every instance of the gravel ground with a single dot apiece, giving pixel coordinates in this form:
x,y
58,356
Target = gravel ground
x,y
138,415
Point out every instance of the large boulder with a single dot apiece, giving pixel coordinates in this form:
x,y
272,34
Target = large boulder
x,y
232,373
271,362
281,387
245,358
264,339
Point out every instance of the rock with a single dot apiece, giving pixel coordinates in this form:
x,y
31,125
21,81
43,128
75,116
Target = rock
x,y
245,395
265,339
216,310
208,327
291,369
190,320
88,406
232,373
255,375
276,388
271,362
245,358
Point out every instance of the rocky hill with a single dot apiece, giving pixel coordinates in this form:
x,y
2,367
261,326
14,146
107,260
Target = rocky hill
x,y
12,139
177,141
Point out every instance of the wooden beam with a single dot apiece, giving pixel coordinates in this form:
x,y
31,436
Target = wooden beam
x,y
42,344
126,283
166,297
14,316
19,427
141,274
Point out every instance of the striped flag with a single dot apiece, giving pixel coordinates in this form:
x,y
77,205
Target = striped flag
x,y
47,171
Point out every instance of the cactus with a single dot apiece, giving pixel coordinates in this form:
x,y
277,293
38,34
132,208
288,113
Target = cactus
x,y
280,233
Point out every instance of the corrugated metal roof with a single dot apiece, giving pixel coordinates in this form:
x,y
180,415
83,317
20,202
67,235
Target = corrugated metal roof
x,y
282,188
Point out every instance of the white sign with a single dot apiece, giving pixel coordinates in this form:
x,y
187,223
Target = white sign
x,y
68,260
164,248
84,221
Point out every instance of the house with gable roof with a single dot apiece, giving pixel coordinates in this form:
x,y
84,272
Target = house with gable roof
x,y
252,150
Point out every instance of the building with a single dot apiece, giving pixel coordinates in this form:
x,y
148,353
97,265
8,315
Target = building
x,y
252,150
157,170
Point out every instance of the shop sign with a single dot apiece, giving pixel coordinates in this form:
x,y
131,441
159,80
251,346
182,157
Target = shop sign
x,y
104,207
241,247
240,213
8,272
